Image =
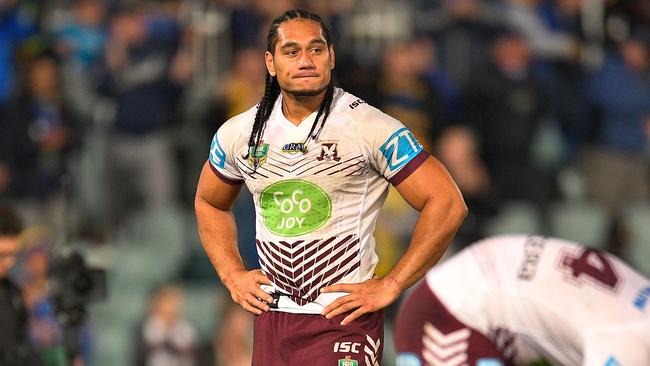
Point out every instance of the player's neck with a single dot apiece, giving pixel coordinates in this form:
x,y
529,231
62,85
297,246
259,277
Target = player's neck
x,y
296,109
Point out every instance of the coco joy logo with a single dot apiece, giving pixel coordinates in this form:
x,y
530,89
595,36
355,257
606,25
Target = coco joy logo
x,y
294,207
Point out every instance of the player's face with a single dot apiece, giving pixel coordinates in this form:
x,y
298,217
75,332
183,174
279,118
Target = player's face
x,y
9,246
302,61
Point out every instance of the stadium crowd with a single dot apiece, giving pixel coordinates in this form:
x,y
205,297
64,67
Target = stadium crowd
x,y
540,110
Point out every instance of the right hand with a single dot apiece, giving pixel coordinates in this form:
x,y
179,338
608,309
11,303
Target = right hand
x,y
245,290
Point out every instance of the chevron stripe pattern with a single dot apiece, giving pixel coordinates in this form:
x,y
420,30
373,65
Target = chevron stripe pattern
x,y
445,349
301,268
279,164
372,351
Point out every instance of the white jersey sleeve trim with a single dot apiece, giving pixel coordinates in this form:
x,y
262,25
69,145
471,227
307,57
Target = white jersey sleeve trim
x,y
224,148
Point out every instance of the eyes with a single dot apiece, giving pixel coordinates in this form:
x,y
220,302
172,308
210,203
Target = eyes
x,y
293,52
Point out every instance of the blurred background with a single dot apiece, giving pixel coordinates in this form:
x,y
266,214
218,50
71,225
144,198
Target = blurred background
x,y
540,109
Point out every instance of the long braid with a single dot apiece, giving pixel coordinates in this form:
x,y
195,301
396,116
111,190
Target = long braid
x,y
271,92
272,88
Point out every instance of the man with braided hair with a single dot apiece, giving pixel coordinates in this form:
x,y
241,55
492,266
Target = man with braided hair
x,y
318,162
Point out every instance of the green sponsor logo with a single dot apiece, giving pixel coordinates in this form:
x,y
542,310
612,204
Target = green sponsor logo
x,y
294,207
348,362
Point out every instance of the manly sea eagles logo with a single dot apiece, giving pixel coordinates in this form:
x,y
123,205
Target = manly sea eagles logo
x,y
328,152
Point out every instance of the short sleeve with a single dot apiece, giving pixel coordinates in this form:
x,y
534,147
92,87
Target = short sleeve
x,y
394,152
222,156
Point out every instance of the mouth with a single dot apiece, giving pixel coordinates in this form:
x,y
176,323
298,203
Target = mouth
x,y
305,76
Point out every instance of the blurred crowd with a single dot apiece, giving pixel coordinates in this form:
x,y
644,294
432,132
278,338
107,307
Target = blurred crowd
x,y
136,89
107,108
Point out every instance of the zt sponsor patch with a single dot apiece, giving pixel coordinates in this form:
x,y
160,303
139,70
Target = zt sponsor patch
x,y
217,155
642,299
257,157
329,152
408,359
400,148
347,361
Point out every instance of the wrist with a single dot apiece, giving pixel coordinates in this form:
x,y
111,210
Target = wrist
x,y
228,279
392,285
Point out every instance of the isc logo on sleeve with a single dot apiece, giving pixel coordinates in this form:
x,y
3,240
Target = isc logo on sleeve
x,y
400,148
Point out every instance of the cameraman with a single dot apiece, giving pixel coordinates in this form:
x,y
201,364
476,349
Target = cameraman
x,y
14,346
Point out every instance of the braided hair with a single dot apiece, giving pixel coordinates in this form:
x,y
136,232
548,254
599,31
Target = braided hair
x,y
272,88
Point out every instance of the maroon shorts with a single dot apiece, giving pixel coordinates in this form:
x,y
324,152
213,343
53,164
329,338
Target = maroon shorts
x,y
286,339
426,333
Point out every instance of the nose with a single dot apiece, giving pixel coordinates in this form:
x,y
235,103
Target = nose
x,y
305,61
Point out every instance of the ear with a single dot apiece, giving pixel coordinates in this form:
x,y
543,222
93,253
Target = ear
x,y
268,59
332,57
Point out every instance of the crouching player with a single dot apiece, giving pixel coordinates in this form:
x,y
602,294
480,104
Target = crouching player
x,y
511,300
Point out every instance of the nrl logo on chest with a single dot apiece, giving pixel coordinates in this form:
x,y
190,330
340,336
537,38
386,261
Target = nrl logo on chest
x,y
257,157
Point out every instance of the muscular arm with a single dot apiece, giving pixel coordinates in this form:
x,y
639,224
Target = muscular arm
x,y
430,190
213,204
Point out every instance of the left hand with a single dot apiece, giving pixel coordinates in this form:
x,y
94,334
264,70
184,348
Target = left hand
x,y
365,297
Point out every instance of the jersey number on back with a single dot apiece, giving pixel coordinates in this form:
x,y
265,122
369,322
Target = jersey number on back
x,y
590,264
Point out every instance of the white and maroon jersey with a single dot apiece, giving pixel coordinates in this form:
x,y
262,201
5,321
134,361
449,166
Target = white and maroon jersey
x,y
316,205
543,297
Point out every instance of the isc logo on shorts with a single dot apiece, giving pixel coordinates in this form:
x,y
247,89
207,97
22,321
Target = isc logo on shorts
x,y
347,347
